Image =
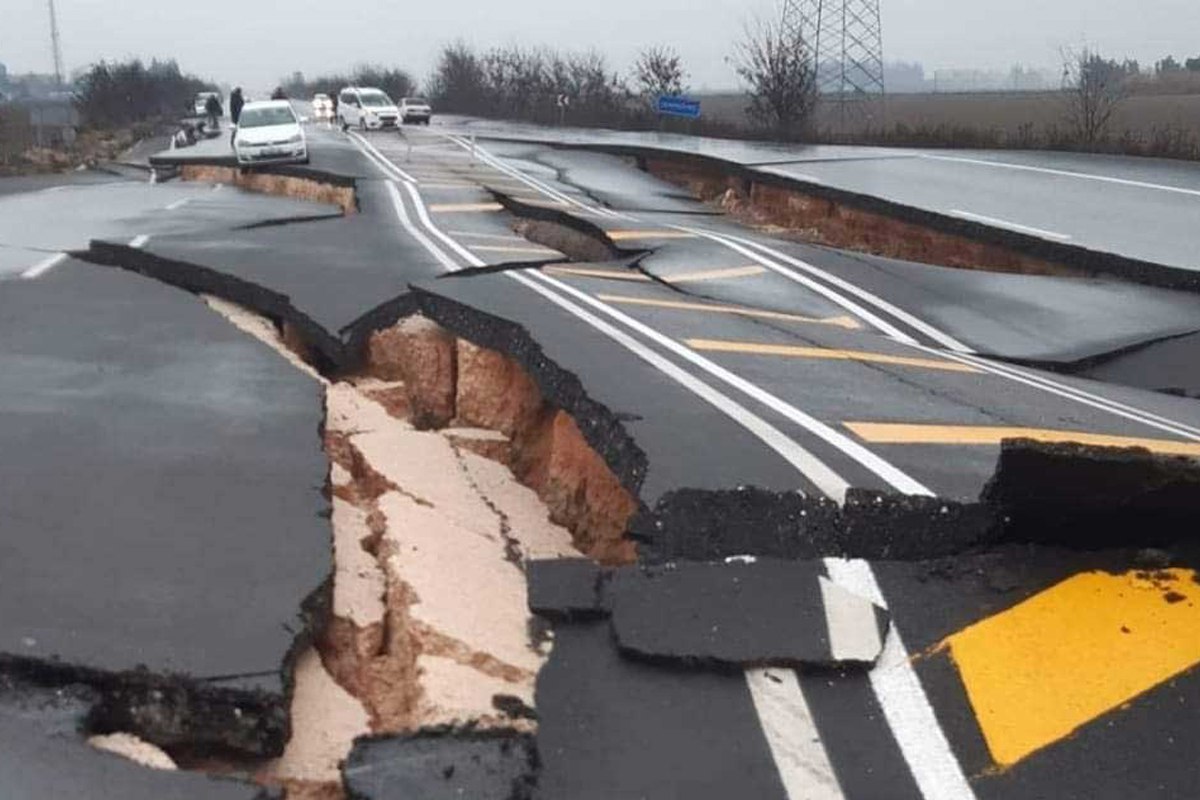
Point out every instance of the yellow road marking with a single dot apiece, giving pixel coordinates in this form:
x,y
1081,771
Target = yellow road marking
x,y
457,208
792,351
714,274
1040,670
612,274
742,311
901,433
539,251
619,236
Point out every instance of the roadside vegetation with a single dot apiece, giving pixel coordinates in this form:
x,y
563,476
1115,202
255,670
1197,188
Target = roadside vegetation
x,y
1104,105
396,82
102,112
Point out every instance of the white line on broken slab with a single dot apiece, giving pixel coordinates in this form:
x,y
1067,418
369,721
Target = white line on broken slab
x,y
934,767
853,629
792,735
1012,226
138,242
45,265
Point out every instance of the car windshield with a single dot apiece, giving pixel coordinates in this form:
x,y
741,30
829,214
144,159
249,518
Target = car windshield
x,y
375,99
262,117
416,101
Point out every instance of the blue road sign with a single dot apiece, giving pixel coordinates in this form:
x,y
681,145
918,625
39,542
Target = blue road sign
x,y
679,107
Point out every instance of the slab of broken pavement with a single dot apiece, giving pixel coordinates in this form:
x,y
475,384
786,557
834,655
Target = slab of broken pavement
x,y
288,511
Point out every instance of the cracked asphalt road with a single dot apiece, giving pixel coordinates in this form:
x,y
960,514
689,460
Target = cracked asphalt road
x,y
731,358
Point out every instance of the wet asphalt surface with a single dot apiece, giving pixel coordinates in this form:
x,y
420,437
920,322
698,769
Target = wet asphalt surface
x,y
675,411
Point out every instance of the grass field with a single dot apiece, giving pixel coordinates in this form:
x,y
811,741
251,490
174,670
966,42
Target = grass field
x,y
1153,124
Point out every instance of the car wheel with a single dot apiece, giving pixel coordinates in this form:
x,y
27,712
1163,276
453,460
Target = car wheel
x,y
362,124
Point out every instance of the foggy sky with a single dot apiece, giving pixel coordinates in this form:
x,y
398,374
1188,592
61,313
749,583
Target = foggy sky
x,y
254,44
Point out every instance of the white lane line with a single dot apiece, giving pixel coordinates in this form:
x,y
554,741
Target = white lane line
x,y
138,242
380,158
881,325
1081,396
892,475
178,204
792,735
936,334
1066,173
398,203
934,767
897,705
807,464
536,183
850,618
1012,226
45,265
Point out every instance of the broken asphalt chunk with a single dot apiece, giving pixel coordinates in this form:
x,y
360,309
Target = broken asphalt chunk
x,y
443,765
565,588
1094,497
761,613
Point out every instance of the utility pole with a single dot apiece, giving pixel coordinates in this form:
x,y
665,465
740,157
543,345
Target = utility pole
x,y
58,59
845,40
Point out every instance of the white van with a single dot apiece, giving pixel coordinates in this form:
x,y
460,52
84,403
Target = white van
x,y
366,109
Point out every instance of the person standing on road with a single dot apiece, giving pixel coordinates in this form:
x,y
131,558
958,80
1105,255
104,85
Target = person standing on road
x,y
212,107
236,101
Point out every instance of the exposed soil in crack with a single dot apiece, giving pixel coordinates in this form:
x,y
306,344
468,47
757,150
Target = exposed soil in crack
x,y
812,218
298,187
579,239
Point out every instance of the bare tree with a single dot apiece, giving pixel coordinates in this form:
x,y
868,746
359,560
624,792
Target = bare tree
x,y
776,64
658,71
1095,87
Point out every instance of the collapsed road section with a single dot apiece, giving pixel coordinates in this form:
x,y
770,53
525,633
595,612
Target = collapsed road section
x,y
533,561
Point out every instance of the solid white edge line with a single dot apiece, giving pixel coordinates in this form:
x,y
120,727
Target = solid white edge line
x,y
881,325
398,203
892,475
910,683
816,471
792,735
1013,226
1081,396
535,183
934,766
45,265
939,336
382,158
1065,173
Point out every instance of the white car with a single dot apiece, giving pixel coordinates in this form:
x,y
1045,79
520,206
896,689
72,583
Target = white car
x,y
366,109
415,109
322,106
269,132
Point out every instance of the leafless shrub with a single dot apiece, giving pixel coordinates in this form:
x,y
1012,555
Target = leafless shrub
x,y
657,72
775,63
1095,87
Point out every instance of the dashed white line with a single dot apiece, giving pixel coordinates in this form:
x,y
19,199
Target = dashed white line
x,y
178,204
1012,226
